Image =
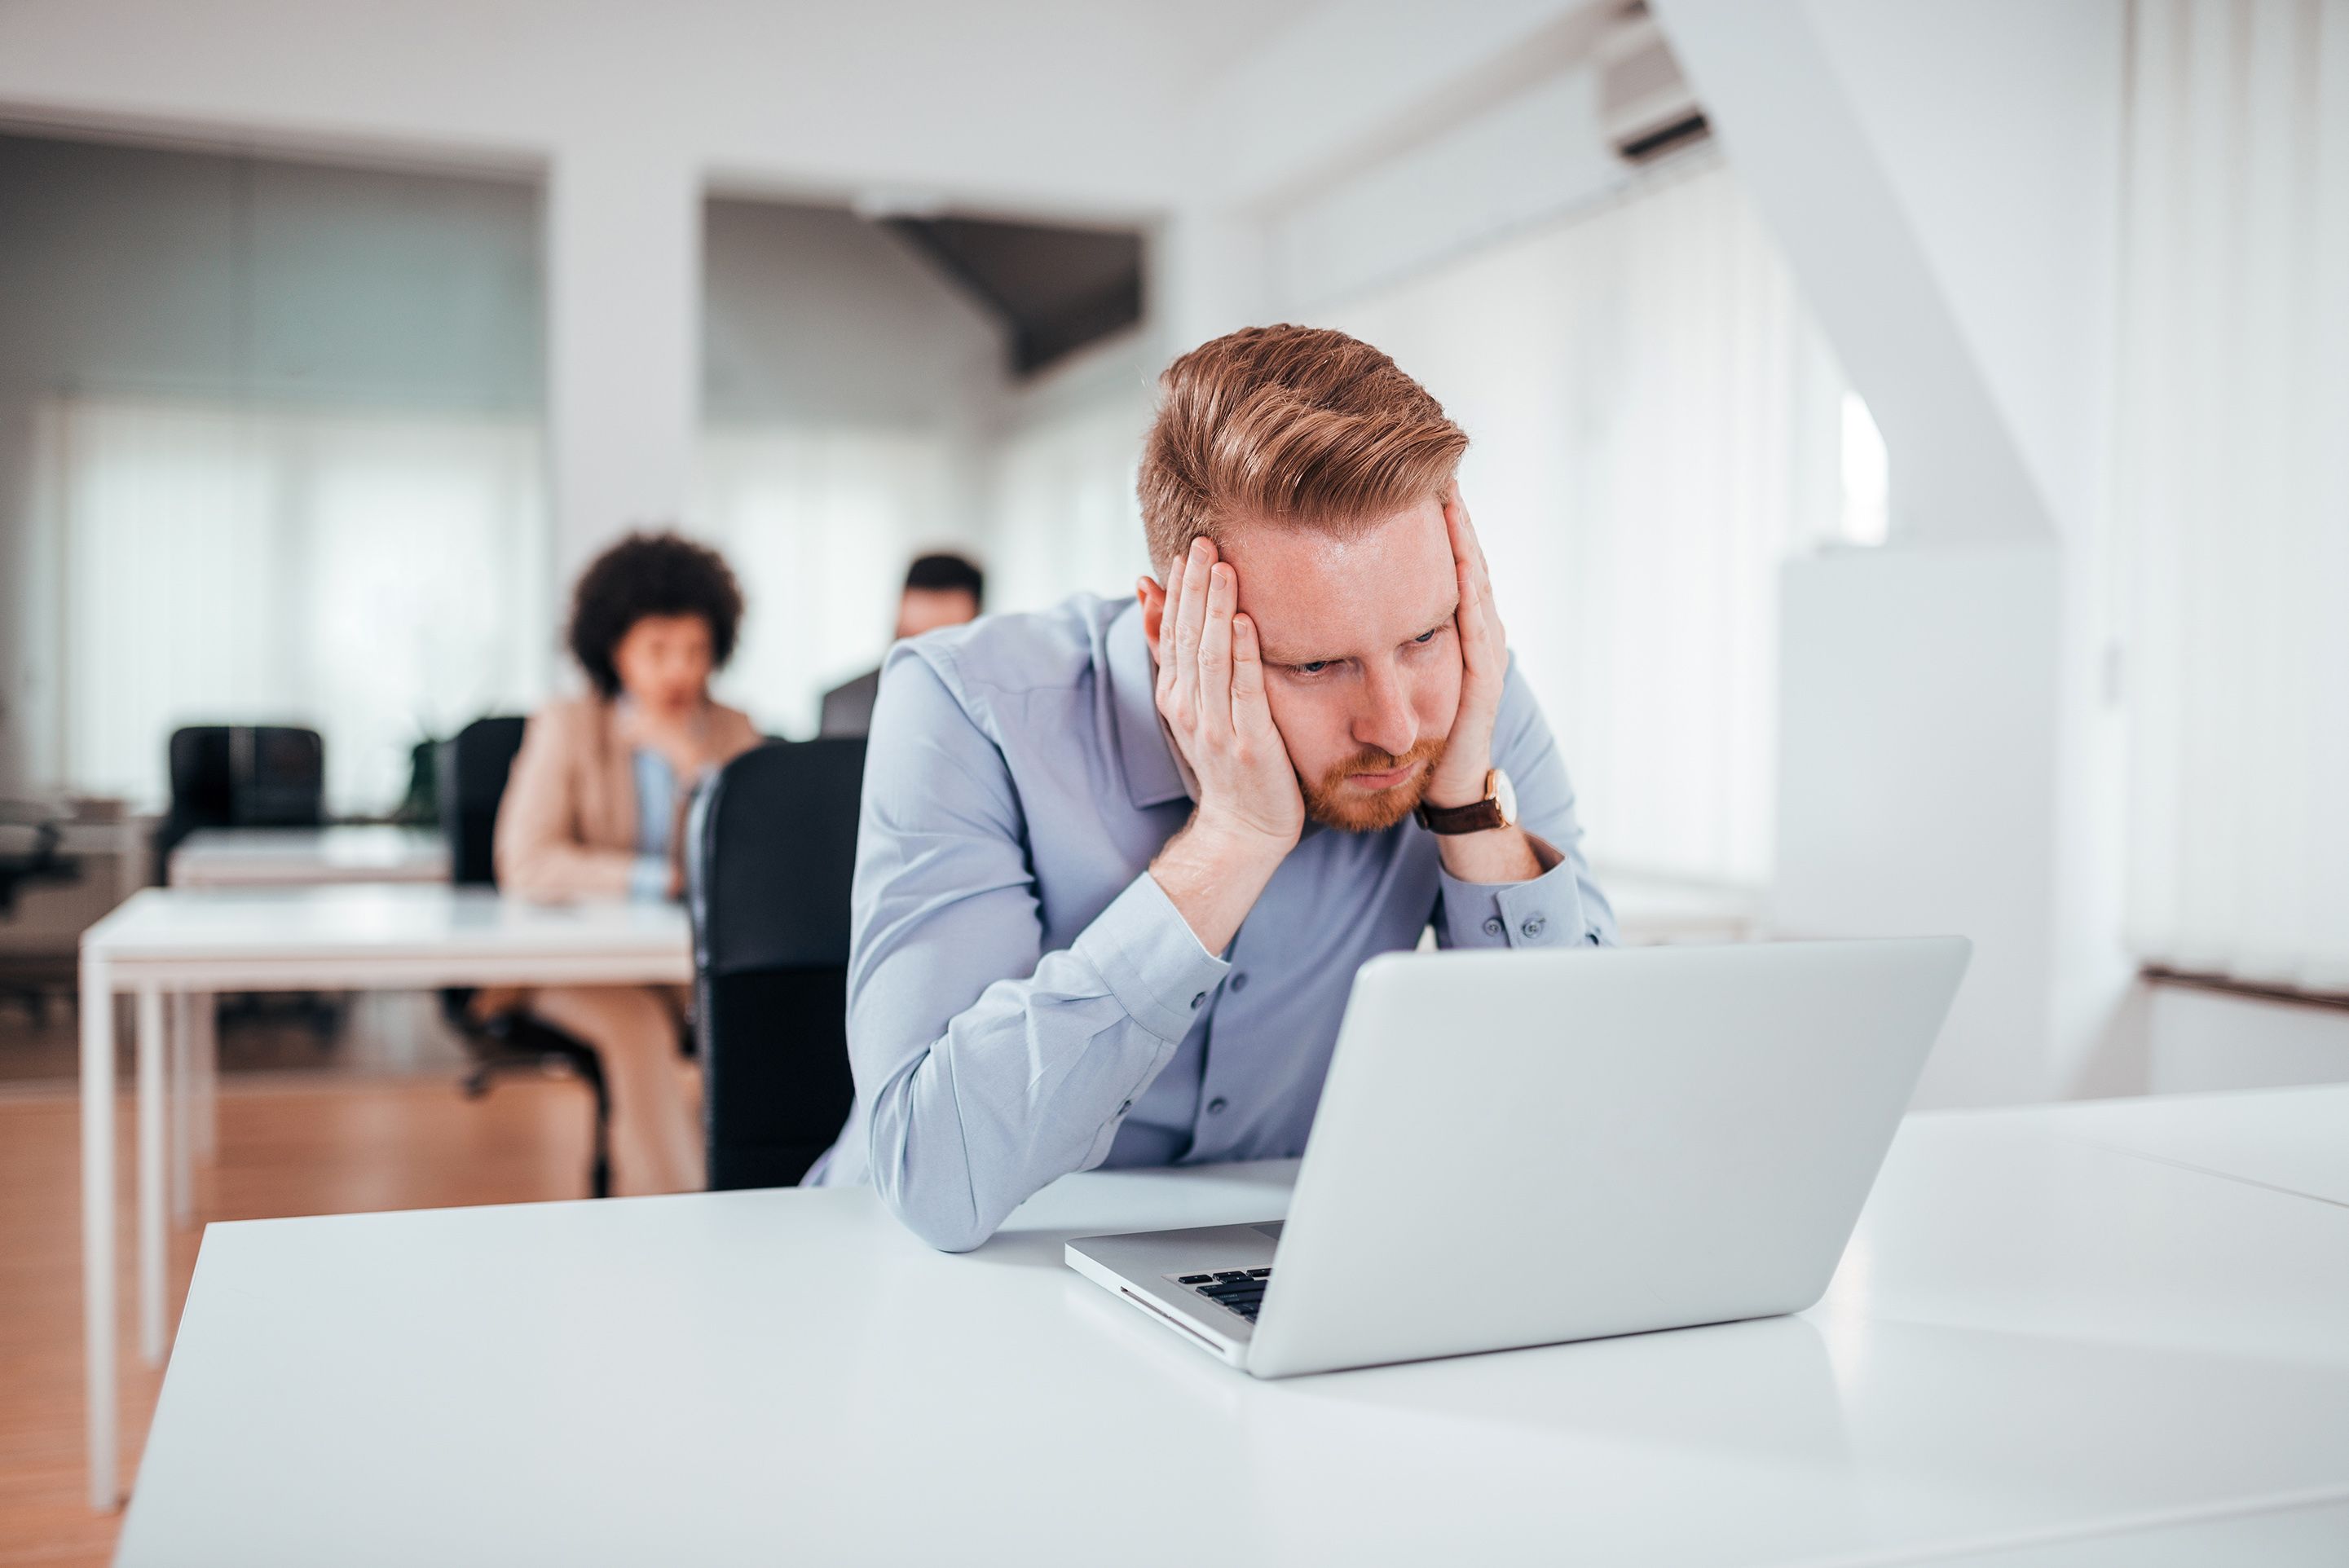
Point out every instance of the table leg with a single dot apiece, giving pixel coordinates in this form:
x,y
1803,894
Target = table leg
x,y
97,1227
183,1088
205,1011
150,1173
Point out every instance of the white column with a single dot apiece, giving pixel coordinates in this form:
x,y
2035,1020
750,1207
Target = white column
x,y
1210,276
624,360
1918,756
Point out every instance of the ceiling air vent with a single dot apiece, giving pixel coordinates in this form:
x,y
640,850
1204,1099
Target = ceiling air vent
x,y
1646,109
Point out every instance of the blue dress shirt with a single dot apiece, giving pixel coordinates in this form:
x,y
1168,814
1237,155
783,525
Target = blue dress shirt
x,y
1023,998
655,811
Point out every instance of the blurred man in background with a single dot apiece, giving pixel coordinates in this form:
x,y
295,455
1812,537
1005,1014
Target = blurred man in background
x,y
940,591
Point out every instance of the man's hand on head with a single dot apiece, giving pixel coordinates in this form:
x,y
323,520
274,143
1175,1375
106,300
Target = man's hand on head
x,y
1498,854
1211,693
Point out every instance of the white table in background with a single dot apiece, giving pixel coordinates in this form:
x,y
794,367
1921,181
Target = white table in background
x,y
167,942
2035,1351
282,857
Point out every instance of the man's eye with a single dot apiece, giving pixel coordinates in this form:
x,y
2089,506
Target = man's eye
x,y
1428,636
1312,669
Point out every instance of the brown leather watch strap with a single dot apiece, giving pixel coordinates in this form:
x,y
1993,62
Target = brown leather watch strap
x,y
1470,819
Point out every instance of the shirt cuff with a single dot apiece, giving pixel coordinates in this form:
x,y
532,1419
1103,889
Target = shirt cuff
x,y
1154,966
1544,912
649,878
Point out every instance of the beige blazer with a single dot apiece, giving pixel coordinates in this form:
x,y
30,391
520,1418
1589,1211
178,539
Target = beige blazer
x,y
567,823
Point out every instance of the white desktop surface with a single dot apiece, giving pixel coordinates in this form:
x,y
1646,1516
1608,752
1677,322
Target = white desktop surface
x,y
388,935
178,943
274,857
2032,1342
2293,1139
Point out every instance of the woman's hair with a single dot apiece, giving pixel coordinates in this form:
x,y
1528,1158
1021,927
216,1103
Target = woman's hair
x,y
650,574
1292,425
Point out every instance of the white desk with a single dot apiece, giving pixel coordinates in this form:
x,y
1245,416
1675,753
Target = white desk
x,y
182,942
2294,1140
284,857
279,857
2032,1346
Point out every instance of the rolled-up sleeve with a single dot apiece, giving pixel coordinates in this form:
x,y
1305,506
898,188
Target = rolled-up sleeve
x,y
1563,907
986,1066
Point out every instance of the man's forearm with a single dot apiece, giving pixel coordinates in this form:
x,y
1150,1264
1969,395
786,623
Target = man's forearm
x,y
1213,878
1495,855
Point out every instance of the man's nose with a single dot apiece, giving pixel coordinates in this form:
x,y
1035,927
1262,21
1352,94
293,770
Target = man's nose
x,y
1385,718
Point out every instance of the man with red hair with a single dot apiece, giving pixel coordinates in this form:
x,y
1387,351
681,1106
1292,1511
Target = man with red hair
x,y
1119,861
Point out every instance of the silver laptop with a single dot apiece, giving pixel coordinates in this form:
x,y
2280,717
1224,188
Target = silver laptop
x,y
1520,1148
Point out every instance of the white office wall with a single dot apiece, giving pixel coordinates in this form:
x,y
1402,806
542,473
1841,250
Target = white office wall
x,y
1515,165
813,312
1944,180
1062,516
207,283
1031,105
1655,422
1998,122
848,392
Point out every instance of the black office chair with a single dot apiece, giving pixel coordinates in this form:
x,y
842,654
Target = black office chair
x,y
473,780
241,776
773,848
250,776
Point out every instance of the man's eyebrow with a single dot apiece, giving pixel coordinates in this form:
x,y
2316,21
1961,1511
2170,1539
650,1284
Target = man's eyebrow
x,y
1269,656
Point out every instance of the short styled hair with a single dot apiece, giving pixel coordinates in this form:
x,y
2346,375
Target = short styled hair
x,y
944,572
650,574
1295,423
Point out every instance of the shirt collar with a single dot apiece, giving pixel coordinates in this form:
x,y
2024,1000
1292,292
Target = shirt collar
x,y
1154,774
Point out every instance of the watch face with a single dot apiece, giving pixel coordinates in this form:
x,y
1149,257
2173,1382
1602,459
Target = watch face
x,y
1505,795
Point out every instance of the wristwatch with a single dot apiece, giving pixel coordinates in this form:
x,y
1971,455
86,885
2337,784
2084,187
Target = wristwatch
x,y
1498,808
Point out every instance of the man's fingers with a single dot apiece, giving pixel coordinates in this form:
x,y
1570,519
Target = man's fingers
x,y
1194,609
1215,643
1191,616
1247,673
1166,615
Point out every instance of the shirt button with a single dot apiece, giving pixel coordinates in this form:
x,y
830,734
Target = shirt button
x,y
1493,926
1532,927
1126,1106
1216,1107
1196,1000
1239,982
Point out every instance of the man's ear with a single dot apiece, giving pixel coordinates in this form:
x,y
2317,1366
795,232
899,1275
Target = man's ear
x,y
1153,609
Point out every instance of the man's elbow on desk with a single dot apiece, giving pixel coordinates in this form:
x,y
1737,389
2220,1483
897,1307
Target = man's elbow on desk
x,y
938,1218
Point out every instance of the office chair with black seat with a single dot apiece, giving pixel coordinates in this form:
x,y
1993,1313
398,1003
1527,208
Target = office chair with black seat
x,y
772,850
473,766
250,776
241,776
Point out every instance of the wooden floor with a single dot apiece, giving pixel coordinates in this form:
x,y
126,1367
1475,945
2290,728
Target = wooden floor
x,y
314,1142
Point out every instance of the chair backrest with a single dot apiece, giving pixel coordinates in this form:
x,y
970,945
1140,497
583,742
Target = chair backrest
x,y
241,776
772,850
248,775
474,763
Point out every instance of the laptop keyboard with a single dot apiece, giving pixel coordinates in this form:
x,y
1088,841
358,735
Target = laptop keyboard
x,y
1236,1290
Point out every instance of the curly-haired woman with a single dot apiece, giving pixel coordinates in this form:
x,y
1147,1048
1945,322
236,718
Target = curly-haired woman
x,y
595,807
